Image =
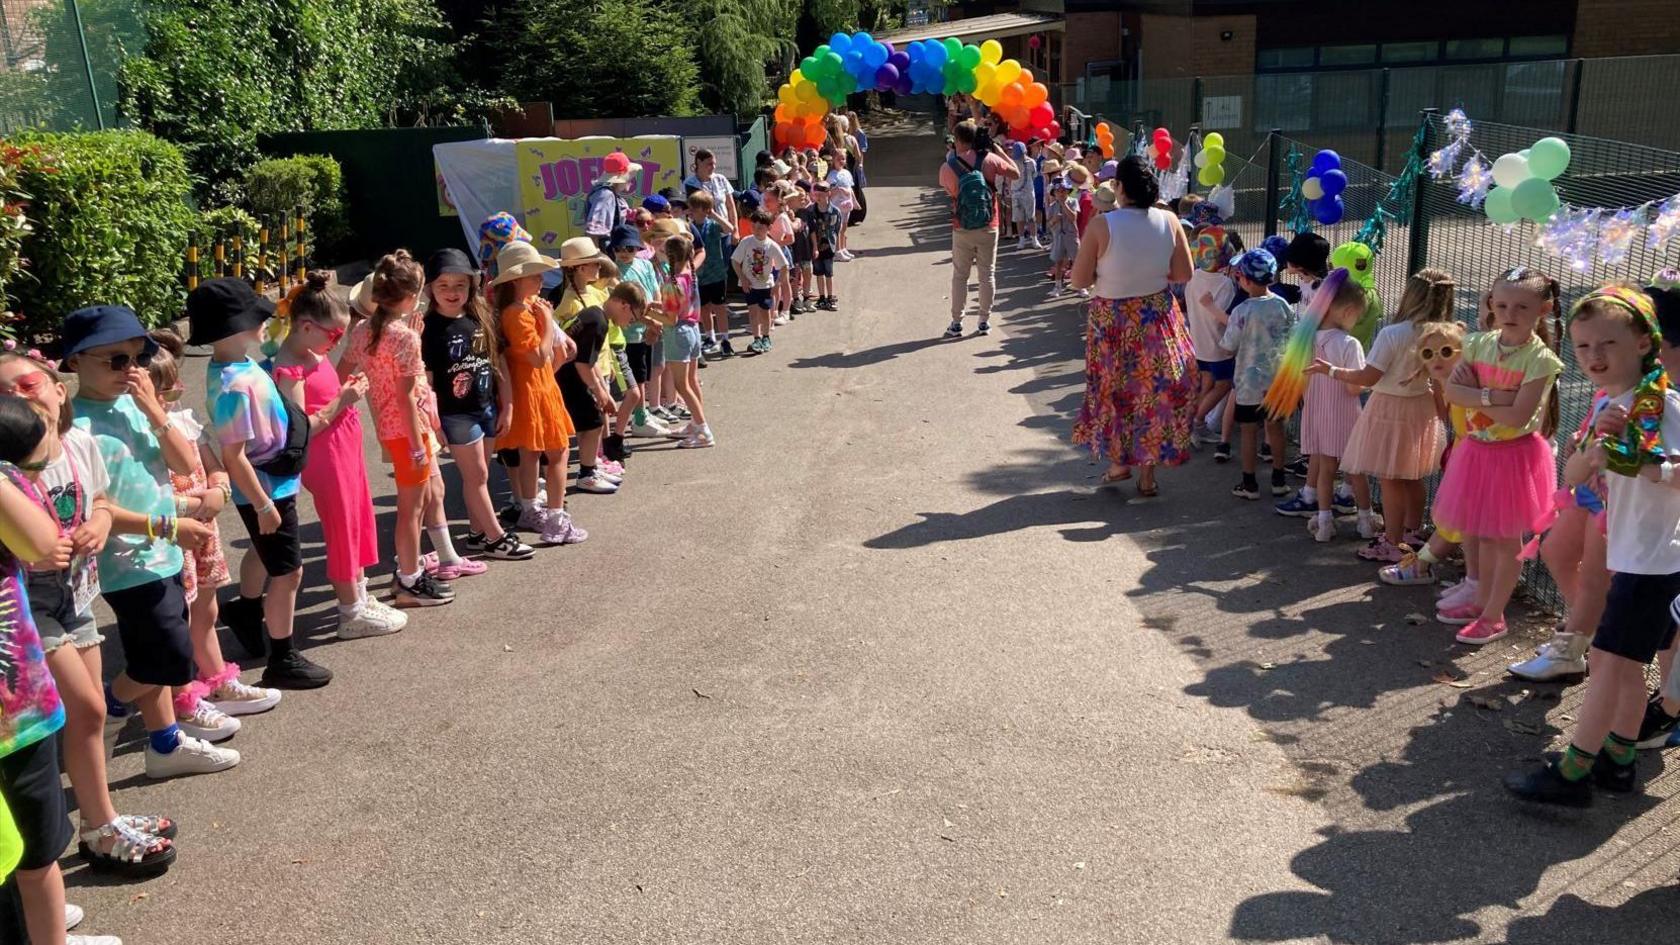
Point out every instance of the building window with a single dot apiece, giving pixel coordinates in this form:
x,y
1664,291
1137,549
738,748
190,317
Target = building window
x,y
1409,52
1475,48
1363,55
1283,101
1293,57
1539,47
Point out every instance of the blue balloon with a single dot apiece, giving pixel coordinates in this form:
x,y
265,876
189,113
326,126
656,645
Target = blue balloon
x,y
1326,160
937,54
1328,211
1334,182
862,39
875,55
915,51
840,43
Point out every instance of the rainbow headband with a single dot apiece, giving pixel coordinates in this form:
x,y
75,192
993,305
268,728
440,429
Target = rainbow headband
x,y
1641,440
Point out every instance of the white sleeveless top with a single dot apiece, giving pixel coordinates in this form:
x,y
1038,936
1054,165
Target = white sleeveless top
x,y
1140,248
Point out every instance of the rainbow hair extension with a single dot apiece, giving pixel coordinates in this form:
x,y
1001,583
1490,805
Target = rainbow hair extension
x,y
1289,384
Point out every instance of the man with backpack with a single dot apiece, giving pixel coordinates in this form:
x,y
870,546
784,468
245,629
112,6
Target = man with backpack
x,y
970,176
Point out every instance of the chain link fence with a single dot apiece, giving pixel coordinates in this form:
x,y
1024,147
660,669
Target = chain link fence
x,y
59,61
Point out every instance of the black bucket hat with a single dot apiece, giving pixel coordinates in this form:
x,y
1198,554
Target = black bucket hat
x,y
450,262
222,308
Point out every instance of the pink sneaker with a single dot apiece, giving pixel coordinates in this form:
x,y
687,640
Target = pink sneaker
x,y
466,567
1463,592
1482,631
1380,549
1459,615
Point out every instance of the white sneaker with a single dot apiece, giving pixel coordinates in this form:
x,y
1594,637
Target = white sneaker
x,y
209,723
235,698
92,940
73,916
1459,594
1323,529
597,483
370,621
700,439
532,516
1036,244
1057,292
1368,528
684,433
191,756
558,529
1084,293
616,479
651,428
1021,243
779,320
1564,655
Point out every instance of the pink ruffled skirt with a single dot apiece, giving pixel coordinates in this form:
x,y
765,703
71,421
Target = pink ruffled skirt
x,y
1497,490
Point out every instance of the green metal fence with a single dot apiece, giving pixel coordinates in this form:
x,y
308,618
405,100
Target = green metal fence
x,y
59,61
1370,114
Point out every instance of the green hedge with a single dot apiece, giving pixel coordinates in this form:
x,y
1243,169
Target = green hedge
x,y
111,223
313,182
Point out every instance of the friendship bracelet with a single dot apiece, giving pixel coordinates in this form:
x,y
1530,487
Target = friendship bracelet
x,y
265,509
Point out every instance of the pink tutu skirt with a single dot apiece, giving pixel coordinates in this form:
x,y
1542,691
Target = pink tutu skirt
x,y
1396,438
1497,490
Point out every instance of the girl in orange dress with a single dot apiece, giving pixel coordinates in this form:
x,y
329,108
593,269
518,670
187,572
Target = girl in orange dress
x,y
540,428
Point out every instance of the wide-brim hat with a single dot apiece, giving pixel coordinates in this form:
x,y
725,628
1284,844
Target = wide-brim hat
x,y
519,259
222,308
100,325
580,251
1105,199
361,297
665,229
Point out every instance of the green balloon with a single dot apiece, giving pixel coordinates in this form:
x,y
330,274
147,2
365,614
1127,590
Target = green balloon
x,y
1211,176
808,68
832,64
966,83
1548,158
970,57
1498,207
1534,199
953,47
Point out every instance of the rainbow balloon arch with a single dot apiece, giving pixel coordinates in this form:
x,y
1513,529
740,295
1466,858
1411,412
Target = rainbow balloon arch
x,y
850,63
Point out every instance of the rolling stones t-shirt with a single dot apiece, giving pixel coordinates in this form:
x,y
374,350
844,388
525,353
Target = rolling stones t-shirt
x,y
464,379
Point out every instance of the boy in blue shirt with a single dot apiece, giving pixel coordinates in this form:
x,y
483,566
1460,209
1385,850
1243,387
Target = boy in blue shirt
x,y
1256,333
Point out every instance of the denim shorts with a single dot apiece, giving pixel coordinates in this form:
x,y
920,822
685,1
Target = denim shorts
x,y
465,429
682,342
1218,370
54,610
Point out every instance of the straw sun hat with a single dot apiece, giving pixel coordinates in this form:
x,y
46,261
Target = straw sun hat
x,y
519,259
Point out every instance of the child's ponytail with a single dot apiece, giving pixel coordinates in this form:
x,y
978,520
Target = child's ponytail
x,y
397,277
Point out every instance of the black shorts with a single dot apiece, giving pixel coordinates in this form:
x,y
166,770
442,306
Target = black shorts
x,y
29,783
280,551
1637,623
714,293
761,298
152,624
1250,413
823,265
580,403
640,356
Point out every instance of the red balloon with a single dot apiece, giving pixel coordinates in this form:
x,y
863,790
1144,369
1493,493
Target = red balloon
x,y
1041,115
1162,133
1163,161
1054,131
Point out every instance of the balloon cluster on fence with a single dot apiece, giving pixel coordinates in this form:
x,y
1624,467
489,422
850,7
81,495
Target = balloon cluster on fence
x,y
1210,160
1524,178
1323,187
1105,139
1159,152
859,62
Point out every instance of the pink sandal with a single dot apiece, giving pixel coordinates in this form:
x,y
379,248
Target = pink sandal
x,y
1459,616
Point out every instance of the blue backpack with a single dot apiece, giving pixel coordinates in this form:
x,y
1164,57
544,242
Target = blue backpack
x,y
974,197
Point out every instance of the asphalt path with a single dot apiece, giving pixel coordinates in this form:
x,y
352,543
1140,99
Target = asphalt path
x,y
883,667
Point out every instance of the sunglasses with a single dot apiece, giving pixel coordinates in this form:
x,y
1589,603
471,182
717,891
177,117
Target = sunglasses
x,y
122,362
172,395
333,334
1444,352
27,386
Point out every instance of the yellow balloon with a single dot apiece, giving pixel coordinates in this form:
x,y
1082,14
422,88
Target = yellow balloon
x,y
991,52
1213,140
1007,71
989,93
795,77
984,73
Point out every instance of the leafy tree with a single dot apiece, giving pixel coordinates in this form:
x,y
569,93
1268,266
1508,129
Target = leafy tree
x,y
736,39
596,58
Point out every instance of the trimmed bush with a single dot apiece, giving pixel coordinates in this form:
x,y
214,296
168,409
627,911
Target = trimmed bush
x,y
313,182
111,223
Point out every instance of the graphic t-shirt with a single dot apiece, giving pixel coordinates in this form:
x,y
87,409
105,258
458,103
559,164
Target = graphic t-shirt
x,y
1642,518
463,377
709,234
245,407
1395,353
640,271
397,356
758,258
1205,330
1256,332
69,484
138,480
29,705
1500,369
723,194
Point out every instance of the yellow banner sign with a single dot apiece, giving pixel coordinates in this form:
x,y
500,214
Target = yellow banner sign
x,y
556,176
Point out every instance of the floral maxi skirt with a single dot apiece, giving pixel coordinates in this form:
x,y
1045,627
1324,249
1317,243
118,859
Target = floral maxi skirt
x,y
1140,382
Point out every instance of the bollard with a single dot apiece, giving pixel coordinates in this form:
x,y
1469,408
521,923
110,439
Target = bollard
x,y
238,256
192,266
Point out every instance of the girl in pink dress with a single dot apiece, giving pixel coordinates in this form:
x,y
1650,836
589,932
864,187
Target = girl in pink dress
x,y
1331,410
336,473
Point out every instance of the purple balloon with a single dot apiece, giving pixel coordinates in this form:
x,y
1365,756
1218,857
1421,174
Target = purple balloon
x,y
886,77
905,85
899,60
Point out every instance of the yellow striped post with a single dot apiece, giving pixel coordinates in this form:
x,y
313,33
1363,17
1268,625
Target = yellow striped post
x,y
238,255
192,266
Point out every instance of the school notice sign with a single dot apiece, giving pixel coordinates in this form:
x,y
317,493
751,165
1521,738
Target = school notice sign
x,y
557,174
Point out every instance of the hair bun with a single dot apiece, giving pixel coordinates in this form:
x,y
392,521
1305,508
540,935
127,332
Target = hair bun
x,y
168,341
318,279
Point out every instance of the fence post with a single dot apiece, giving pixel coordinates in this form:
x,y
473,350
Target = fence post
x,y
1382,123
1578,67
87,62
1196,101
1274,164
1417,241
1193,138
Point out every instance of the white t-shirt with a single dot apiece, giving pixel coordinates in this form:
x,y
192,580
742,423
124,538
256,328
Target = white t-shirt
x,y
1642,518
759,259
1205,327
1395,352
76,477
841,183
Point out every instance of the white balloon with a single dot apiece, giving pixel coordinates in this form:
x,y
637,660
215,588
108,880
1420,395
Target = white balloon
x,y
1510,170
1201,159
1312,188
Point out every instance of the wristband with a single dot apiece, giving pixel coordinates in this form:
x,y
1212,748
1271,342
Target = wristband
x,y
1487,397
1332,372
264,510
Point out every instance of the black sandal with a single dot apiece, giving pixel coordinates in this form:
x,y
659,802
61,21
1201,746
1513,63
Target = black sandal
x,y
134,854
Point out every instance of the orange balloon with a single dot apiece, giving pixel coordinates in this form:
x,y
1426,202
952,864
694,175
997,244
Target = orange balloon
x,y
815,135
1026,78
1034,94
1012,95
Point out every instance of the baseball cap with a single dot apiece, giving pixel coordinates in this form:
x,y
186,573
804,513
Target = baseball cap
x,y
654,203
1275,244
